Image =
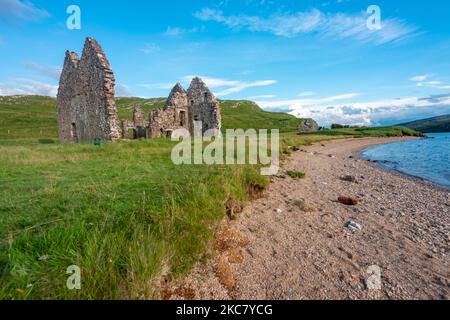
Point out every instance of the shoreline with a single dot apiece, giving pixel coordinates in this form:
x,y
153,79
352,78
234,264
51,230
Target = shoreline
x,y
379,166
287,252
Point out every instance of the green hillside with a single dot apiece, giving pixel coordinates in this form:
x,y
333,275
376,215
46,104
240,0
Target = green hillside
x,y
244,114
436,124
34,117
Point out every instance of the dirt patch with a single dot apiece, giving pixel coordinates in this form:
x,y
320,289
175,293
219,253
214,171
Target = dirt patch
x,y
256,191
235,256
229,238
233,208
224,273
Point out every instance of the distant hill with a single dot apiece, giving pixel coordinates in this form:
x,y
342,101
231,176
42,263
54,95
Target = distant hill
x,y
35,116
436,124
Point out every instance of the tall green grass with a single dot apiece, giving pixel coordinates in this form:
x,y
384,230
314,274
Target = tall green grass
x,y
122,212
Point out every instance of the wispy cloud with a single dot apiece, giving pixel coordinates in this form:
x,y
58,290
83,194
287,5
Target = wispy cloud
x,y
23,86
330,25
435,84
230,86
280,25
421,77
162,85
23,10
265,96
122,90
306,102
213,82
177,31
329,110
52,72
150,48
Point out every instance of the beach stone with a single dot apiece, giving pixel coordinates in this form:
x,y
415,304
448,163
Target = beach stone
x,y
347,200
353,226
308,125
349,178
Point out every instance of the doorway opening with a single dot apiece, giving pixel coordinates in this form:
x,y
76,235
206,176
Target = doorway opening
x,y
182,118
73,132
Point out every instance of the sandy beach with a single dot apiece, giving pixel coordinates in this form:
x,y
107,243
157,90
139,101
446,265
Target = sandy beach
x,y
294,242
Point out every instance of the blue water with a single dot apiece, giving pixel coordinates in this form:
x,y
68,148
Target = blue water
x,y
428,159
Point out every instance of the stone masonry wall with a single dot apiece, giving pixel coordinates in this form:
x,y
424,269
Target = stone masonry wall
x,y
85,102
87,109
173,116
204,107
183,108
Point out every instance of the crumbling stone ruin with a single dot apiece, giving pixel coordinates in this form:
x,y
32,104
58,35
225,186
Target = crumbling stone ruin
x,y
138,126
183,108
87,109
85,101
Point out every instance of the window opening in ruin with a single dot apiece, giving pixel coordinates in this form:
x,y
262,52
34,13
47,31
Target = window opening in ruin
x,y
206,96
192,102
196,118
73,132
182,118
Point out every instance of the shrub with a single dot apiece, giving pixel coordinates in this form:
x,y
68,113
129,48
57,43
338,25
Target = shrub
x,y
296,174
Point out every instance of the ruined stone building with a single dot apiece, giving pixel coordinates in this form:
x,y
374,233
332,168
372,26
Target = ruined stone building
x,y
87,109
183,108
85,102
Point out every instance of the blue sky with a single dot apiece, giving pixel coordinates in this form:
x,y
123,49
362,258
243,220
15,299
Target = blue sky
x,y
311,58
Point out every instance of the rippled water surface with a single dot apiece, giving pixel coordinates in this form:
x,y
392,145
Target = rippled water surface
x,y
428,159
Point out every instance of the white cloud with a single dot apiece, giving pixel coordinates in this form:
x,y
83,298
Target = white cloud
x,y
299,103
344,26
213,82
280,25
23,86
123,90
163,85
177,32
230,86
326,111
52,72
434,85
150,48
421,77
421,82
330,25
245,85
23,10
266,96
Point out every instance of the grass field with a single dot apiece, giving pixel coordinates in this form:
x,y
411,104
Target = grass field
x,y
121,211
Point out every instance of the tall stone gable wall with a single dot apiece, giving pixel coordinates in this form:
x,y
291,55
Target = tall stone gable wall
x,y
173,116
85,103
204,106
